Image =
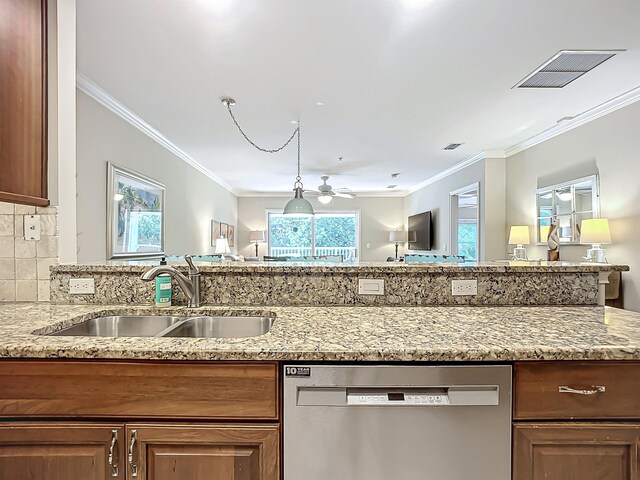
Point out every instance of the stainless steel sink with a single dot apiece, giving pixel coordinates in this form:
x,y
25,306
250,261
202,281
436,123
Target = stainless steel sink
x,y
170,326
122,326
221,327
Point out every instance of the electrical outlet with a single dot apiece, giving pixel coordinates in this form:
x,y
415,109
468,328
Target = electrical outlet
x,y
370,286
31,227
82,286
464,287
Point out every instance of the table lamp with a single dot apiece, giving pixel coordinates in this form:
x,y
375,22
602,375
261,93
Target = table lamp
x,y
397,236
222,246
257,236
519,236
596,232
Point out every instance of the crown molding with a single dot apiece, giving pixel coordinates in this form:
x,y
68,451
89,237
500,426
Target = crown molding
x,y
495,154
449,171
594,113
87,86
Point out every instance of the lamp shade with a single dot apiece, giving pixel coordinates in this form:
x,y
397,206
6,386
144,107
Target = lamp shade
x,y
519,235
222,246
298,206
595,231
397,236
256,236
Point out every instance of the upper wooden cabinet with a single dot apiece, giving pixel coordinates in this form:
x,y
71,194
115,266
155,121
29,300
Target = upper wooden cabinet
x,y
23,102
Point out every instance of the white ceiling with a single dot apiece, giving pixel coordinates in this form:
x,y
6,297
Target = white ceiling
x,y
399,79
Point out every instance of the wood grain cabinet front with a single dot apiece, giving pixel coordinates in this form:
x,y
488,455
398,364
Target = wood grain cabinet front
x,y
576,451
58,450
203,452
23,102
576,421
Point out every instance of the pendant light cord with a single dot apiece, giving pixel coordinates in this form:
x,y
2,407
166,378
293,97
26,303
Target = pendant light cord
x,y
268,150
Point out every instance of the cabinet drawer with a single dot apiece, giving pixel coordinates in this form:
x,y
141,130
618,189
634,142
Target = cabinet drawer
x,y
577,390
106,389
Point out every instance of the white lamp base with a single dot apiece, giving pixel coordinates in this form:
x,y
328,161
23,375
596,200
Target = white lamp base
x,y
520,253
596,254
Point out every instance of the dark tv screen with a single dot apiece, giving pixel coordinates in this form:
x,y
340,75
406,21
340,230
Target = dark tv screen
x,y
419,229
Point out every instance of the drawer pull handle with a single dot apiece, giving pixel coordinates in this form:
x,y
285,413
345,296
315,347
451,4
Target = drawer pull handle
x,y
593,390
133,465
113,462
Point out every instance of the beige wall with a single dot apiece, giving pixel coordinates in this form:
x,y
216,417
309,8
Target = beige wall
x,y
489,173
192,200
608,146
378,215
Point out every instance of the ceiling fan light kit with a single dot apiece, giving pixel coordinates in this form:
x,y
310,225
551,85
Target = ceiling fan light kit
x,y
298,205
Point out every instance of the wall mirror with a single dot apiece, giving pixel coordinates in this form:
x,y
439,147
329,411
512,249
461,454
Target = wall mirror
x,y
569,203
135,215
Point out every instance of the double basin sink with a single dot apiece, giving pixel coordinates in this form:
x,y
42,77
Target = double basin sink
x,y
204,326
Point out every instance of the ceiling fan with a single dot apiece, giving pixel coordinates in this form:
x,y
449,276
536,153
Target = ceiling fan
x,y
326,192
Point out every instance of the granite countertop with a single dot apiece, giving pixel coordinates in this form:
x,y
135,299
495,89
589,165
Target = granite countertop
x,y
343,333
363,267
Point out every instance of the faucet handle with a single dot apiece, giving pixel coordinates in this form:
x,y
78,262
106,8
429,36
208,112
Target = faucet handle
x,y
193,270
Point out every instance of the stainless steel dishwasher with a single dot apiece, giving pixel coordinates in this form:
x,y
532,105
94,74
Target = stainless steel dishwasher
x,y
376,422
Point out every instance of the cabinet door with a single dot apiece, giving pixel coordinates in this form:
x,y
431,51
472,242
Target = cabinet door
x,y
576,451
203,452
61,451
23,146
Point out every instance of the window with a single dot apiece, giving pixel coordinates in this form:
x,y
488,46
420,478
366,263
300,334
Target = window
x,y
568,203
468,239
334,233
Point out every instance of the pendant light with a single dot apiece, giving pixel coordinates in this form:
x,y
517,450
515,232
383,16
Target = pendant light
x,y
298,206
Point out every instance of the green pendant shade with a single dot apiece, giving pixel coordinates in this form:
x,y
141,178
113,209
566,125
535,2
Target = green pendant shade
x,y
298,206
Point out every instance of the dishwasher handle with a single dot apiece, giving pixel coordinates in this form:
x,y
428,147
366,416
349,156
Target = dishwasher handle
x,y
474,395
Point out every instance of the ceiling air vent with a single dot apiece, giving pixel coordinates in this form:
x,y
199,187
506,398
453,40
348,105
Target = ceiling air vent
x,y
565,67
452,146
392,186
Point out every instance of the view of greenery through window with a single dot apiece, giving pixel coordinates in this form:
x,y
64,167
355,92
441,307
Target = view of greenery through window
x,y
468,240
322,234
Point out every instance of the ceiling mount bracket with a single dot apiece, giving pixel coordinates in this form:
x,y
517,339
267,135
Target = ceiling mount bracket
x,y
226,101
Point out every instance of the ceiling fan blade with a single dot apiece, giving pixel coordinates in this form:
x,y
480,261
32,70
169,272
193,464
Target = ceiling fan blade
x,y
344,194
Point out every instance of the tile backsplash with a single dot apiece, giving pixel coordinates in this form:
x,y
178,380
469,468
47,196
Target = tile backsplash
x,y
24,264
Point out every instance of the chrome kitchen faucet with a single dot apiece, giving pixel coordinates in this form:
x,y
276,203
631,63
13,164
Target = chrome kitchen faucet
x,y
189,285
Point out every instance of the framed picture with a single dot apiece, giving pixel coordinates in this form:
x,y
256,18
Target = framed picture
x,y
231,234
135,214
224,230
215,232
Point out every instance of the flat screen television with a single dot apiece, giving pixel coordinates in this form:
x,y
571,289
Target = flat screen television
x,y
420,232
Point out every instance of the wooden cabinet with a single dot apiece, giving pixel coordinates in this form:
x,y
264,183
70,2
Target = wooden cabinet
x,y
23,102
61,451
598,404
576,451
203,452
232,409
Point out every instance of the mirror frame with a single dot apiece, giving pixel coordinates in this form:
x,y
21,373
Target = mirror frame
x,y
595,203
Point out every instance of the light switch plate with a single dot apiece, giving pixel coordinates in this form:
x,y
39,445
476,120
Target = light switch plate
x,y
32,227
464,287
371,286
82,286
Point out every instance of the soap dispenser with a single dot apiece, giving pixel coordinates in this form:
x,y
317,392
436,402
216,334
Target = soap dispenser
x,y
163,288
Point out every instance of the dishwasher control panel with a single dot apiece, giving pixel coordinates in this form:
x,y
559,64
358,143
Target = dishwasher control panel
x,y
397,398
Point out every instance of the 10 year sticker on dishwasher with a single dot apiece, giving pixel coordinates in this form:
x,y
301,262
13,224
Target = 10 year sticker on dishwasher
x,y
290,371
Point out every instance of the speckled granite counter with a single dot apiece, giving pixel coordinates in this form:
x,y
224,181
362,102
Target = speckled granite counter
x,y
286,283
345,333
